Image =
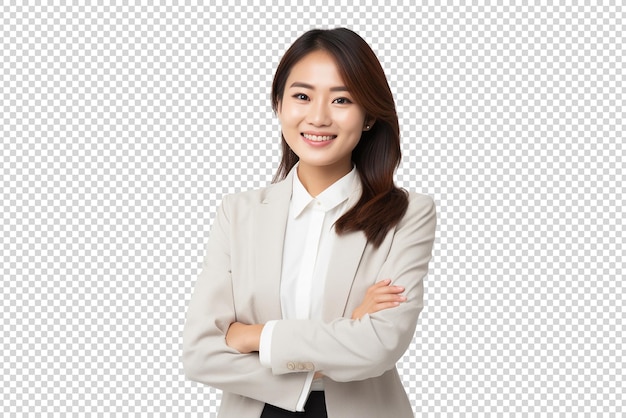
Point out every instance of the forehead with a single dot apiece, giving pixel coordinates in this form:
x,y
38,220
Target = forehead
x,y
316,68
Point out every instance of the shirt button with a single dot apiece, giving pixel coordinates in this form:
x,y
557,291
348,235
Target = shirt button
x,y
309,366
300,366
291,365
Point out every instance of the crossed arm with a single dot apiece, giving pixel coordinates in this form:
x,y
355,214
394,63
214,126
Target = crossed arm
x,y
214,346
245,338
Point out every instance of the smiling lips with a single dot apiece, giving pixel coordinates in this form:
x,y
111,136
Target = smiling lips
x,y
319,138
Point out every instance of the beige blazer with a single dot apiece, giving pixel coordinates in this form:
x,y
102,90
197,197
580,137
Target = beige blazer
x,y
240,280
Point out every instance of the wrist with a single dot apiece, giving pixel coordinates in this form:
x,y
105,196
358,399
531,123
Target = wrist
x,y
255,336
243,337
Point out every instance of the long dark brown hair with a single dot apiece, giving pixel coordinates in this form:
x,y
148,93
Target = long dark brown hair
x,y
377,155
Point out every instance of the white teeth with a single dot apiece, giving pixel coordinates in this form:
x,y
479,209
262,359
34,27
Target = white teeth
x,y
318,138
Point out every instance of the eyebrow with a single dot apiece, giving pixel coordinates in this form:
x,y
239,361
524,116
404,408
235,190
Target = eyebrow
x,y
308,86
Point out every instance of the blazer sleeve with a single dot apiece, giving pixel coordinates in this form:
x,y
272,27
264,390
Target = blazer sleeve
x,y
349,350
206,357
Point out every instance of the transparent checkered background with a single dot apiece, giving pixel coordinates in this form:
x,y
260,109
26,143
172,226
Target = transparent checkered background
x,y
122,126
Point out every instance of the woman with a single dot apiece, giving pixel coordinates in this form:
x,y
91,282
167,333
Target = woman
x,y
311,288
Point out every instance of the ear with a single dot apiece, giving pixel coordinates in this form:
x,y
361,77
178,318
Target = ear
x,y
279,107
369,123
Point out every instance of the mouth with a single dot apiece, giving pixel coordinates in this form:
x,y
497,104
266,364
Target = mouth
x,y
318,138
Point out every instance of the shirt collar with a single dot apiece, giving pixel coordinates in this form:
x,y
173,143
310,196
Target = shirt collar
x,y
335,194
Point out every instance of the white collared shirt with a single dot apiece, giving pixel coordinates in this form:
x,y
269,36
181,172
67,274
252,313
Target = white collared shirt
x,y
309,240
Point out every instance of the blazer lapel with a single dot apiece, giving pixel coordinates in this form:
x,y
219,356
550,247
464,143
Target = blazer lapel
x,y
348,250
270,226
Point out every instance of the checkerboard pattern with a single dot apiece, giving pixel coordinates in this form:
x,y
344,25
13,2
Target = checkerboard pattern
x,y
123,124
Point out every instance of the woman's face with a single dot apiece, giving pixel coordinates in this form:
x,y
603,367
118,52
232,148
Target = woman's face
x,y
319,118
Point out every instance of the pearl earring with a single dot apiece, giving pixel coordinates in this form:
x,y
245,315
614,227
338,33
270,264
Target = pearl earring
x,y
367,127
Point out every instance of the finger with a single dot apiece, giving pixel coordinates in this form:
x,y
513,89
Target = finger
x,y
381,283
389,298
382,306
388,289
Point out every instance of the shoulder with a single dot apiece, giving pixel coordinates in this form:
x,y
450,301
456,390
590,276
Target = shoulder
x,y
247,196
421,209
419,202
420,199
249,199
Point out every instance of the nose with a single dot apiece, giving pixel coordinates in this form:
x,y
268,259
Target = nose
x,y
319,114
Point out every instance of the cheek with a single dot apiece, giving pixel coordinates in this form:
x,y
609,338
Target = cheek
x,y
353,123
289,124
290,115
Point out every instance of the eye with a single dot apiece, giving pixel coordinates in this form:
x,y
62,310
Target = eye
x,y
342,100
300,96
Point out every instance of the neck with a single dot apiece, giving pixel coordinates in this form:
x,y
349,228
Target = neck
x,y
316,179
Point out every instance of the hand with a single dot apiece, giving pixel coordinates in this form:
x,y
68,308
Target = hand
x,y
379,296
244,338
